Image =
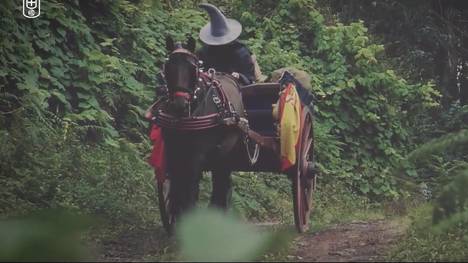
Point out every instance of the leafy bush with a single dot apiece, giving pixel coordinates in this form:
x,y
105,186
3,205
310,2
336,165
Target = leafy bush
x,y
262,196
50,167
438,232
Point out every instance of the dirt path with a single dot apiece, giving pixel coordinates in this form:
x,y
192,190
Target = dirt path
x,y
137,246
355,241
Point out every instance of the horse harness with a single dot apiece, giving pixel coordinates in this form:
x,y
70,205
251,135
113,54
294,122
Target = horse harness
x,y
226,114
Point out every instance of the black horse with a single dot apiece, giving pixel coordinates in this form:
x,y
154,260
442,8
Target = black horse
x,y
198,102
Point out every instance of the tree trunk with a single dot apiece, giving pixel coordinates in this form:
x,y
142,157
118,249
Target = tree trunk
x,y
464,83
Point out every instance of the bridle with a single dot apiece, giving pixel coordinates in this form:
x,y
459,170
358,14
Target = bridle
x,y
188,94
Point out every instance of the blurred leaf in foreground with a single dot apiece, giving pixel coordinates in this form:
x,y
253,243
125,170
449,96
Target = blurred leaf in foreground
x,y
208,235
48,235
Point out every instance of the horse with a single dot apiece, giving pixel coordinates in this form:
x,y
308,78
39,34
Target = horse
x,y
192,128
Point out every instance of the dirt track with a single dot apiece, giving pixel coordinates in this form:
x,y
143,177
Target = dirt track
x,y
355,241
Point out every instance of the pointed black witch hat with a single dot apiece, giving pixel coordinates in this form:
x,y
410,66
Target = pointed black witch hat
x,y
220,30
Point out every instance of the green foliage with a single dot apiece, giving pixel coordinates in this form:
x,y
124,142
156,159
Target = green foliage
x,y
436,161
425,39
363,103
424,242
46,236
452,202
451,141
86,68
46,167
440,235
334,204
254,197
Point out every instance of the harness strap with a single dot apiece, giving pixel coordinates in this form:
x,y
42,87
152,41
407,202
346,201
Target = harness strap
x,y
225,110
187,123
224,106
185,95
218,103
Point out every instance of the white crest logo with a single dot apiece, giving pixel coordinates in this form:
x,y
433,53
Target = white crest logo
x,y
31,8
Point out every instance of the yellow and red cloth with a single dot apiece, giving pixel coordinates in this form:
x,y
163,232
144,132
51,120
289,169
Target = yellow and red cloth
x,y
290,109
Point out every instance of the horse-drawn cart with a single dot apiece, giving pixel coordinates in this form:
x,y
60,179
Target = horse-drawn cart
x,y
267,123
259,100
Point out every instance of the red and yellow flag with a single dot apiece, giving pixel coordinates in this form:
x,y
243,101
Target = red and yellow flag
x,y
290,121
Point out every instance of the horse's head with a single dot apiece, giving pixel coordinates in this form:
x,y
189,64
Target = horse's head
x,y
181,71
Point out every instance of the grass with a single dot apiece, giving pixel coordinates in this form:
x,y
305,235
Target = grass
x,y
334,204
424,242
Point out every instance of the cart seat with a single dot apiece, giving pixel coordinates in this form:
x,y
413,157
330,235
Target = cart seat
x,y
258,99
261,88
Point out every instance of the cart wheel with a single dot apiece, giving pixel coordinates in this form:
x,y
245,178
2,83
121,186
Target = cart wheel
x,y
167,218
303,175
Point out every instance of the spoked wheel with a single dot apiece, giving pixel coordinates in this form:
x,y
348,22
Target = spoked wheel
x,y
167,217
303,174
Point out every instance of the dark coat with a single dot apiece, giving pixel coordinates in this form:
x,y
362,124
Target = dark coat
x,y
234,57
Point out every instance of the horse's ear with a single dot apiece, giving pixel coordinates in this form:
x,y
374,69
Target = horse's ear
x,y
169,43
191,44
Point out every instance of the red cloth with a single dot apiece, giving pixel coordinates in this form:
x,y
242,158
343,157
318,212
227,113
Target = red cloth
x,y
158,159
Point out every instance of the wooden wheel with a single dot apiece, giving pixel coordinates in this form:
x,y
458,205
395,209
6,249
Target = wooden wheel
x,y
167,217
303,175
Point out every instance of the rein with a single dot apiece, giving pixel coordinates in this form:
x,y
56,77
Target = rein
x,y
185,95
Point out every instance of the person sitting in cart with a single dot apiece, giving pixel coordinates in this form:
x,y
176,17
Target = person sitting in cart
x,y
223,51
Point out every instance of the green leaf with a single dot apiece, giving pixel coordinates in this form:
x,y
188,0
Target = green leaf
x,y
208,235
61,98
364,187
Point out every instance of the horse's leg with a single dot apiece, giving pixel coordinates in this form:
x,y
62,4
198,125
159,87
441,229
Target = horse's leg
x,y
187,186
186,179
179,175
222,188
221,173
178,190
